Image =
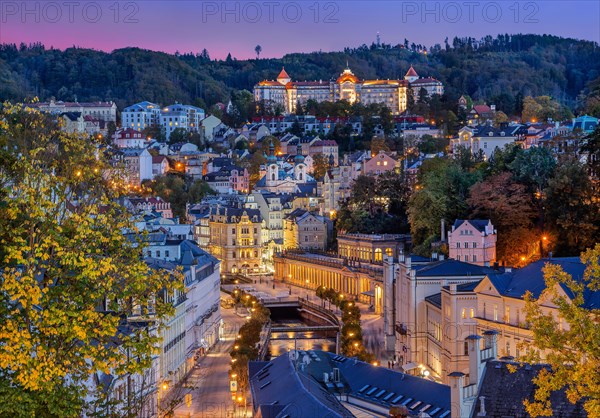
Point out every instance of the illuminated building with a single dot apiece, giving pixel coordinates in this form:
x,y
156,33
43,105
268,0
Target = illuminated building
x,y
287,94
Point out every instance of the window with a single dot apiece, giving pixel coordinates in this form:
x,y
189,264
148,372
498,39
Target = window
x,y
484,311
508,348
472,313
463,314
149,253
458,245
474,245
233,230
466,348
466,258
474,258
158,253
507,314
495,312
466,245
166,253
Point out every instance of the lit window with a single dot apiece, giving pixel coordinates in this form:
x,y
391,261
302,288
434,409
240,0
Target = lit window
x,y
464,313
472,313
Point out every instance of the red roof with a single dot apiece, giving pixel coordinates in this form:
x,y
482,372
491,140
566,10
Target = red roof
x,y
283,74
482,109
411,72
158,159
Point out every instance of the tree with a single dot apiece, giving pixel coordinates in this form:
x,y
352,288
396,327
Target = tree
x,y
512,211
442,192
571,345
320,166
379,144
258,50
534,167
256,160
70,277
500,117
572,208
179,191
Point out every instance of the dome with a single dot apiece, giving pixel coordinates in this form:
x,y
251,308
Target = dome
x,y
347,75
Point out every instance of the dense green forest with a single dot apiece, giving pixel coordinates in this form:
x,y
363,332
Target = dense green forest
x,y
500,70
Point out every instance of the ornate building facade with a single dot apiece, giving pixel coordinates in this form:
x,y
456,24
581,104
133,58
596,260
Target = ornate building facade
x,y
393,93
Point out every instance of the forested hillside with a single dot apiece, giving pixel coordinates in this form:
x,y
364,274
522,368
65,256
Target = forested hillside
x,y
501,70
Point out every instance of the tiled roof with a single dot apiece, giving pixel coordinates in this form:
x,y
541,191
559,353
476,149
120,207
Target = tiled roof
x,y
505,391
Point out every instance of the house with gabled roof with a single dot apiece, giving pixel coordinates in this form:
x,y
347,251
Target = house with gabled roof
x,y
473,241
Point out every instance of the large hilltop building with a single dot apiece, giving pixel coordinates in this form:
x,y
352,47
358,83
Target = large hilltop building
x,y
347,86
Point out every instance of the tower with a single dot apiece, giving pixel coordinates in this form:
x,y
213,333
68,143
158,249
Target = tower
x,y
299,166
283,77
272,167
411,75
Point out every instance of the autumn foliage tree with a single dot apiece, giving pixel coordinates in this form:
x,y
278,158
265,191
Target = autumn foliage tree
x,y
571,345
69,276
509,206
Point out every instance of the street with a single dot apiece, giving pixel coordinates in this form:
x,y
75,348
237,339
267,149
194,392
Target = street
x,y
209,383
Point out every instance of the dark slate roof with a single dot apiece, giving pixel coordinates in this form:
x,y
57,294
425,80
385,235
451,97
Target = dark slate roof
x,y
531,278
465,287
235,211
435,299
480,224
419,259
450,267
357,375
299,395
505,391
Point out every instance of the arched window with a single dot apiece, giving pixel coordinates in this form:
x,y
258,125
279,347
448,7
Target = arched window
x,y
378,254
389,252
300,176
273,176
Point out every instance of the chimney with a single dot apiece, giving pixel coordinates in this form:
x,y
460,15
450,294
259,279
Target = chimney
x,y
456,394
491,341
482,412
443,232
474,358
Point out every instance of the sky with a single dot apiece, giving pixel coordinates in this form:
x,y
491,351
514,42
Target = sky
x,y
282,27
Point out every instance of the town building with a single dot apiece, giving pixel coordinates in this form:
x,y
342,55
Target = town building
x,y
179,116
379,164
306,231
235,239
130,138
473,241
141,116
485,139
501,301
195,325
336,187
104,111
138,165
422,310
286,93
499,387
282,177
